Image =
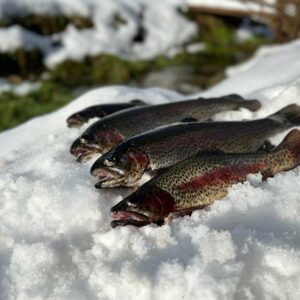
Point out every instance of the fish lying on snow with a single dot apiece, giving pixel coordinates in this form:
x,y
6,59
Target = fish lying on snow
x,y
101,136
99,111
125,164
198,181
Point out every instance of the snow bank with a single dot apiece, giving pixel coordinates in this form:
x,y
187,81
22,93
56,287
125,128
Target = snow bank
x,y
130,29
20,89
55,237
16,37
239,5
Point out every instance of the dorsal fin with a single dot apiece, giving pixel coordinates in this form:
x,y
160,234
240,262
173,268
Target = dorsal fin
x,y
189,120
211,152
233,96
137,102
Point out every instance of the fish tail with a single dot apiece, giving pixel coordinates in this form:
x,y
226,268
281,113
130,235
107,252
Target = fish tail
x,y
292,143
252,104
289,115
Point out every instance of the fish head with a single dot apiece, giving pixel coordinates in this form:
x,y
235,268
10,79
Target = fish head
x,y
90,143
83,151
75,120
120,167
149,204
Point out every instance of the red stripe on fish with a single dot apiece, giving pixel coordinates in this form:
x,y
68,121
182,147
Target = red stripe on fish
x,y
225,174
110,135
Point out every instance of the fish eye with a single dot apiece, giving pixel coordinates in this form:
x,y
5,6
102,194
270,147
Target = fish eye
x,y
86,138
131,204
112,158
109,162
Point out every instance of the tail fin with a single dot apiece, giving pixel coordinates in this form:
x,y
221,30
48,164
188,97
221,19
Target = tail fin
x,y
292,143
289,115
237,101
252,104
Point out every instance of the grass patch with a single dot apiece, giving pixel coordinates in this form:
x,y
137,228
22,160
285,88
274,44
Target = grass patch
x,y
17,109
46,25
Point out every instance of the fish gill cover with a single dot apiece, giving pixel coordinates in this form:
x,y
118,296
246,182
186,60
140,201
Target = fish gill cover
x,y
55,236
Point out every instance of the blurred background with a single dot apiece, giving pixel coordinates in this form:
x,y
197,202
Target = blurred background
x,y
51,51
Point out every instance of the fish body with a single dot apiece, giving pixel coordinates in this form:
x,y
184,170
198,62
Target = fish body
x,y
199,181
163,147
111,130
99,111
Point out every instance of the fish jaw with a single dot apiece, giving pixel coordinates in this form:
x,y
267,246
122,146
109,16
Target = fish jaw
x,y
75,121
109,177
148,205
88,144
83,151
114,170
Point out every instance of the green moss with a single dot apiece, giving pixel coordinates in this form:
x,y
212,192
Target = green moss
x,y
102,69
17,109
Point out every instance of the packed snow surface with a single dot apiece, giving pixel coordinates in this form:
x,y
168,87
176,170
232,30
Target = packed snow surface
x,y
239,5
132,29
55,236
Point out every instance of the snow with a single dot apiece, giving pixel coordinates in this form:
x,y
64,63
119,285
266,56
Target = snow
x,y
264,6
153,18
16,37
20,89
55,237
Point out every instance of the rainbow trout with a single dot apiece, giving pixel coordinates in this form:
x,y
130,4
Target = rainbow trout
x,y
101,136
99,111
198,181
125,164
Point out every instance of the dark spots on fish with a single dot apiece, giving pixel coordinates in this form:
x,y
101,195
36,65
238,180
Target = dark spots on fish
x,y
216,177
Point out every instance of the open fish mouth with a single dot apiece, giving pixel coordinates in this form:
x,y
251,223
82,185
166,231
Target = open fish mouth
x,y
107,173
116,223
84,152
123,218
128,215
75,121
108,176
